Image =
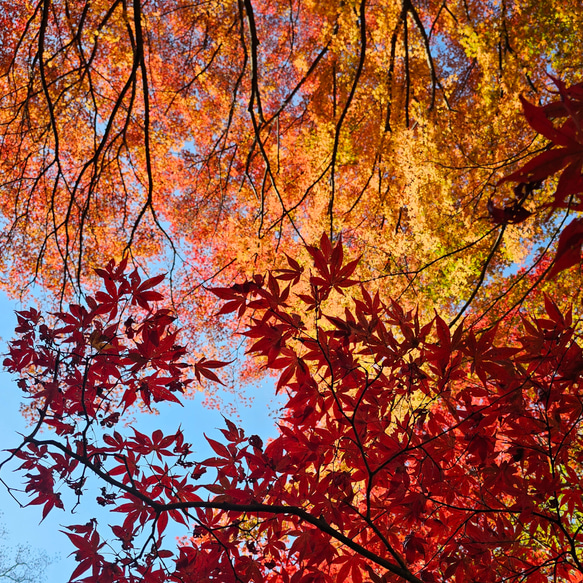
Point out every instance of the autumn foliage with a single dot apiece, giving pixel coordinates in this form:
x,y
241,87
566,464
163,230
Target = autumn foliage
x,y
406,450
415,444
564,155
211,136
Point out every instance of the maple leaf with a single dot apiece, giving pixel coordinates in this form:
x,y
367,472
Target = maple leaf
x,y
513,213
204,368
569,248
566,148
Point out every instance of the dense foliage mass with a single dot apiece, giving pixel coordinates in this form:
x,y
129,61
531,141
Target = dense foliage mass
x,y
406,451
210,136
226,137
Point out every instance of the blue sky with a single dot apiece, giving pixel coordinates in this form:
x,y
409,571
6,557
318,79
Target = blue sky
x,y
23,524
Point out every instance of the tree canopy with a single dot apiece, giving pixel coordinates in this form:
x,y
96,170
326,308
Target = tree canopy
x,y
380,203
208,137
406,451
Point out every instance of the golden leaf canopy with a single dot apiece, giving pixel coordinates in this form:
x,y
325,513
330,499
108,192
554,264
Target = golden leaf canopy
x,y
208,137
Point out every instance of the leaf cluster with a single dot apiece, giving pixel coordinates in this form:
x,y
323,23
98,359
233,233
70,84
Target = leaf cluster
x,y
406,451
